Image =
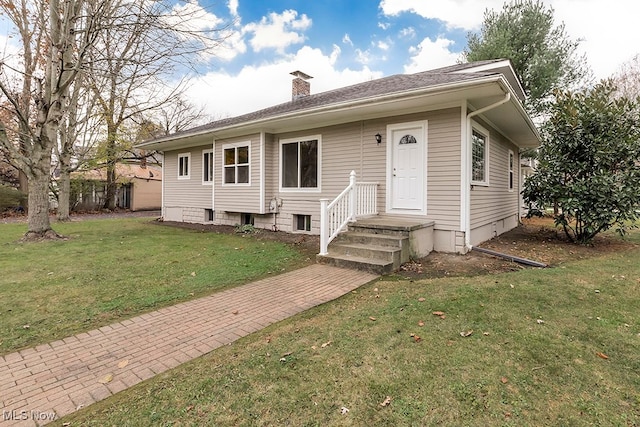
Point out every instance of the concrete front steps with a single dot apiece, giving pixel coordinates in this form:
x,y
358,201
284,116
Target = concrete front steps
x,y
380,244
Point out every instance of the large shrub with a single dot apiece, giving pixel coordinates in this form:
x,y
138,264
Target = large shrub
x,y
589,163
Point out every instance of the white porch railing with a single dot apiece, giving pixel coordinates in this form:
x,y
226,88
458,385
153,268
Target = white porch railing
x,y
358,199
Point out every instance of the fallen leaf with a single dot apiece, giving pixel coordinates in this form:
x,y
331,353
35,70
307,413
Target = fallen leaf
x,y
416,338
602,355
422,299
443,317
540,321
106,379
438,313
466,334
25,326
289,353
313,347
372,318
328,343
188,408
486,334
375,290
193,274
386,401
123,363
283,359
504,380
421,323
268,340
344,410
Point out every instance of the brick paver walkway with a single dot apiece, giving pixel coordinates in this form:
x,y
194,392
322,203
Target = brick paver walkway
x,y
52,380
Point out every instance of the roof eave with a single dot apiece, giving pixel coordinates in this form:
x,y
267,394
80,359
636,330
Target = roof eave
x,y
334,107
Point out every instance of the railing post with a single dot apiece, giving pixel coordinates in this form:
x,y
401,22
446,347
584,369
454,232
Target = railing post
x,y
324,227
352,196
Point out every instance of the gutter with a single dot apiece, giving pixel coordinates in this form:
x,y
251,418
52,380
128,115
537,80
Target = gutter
x,y
466,187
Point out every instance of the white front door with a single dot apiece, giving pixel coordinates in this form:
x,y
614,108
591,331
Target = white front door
x,y
407,167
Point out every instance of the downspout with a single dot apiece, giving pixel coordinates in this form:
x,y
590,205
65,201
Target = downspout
x,y
467,186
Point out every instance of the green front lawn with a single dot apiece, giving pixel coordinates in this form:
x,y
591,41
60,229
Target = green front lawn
x,y
549,347
111,269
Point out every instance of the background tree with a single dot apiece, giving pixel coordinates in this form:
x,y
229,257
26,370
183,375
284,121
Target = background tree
x,y
627,78
78,137
54,37
543,55
135,54
589,163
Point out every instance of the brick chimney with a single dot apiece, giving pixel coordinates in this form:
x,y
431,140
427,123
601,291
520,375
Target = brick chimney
x,y
300,87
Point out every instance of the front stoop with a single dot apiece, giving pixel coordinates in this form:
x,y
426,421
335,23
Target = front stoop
x,y
380,244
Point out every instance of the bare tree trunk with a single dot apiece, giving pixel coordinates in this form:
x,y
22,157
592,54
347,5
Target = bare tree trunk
x,y
23,183
39,224
64,194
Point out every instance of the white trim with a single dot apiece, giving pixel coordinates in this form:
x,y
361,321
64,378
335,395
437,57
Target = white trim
x,y
189,166
162,185
481,130
261,208
205,152
511,177
213,187
423,125
235,146
465,169
299,189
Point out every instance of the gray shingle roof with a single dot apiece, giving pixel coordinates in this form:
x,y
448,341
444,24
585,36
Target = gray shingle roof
x,y
397,83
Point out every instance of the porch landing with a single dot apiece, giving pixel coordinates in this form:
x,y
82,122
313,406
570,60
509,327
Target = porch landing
x,y
380,244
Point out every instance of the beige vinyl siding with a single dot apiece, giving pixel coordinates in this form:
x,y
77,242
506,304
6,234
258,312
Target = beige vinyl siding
x,y
352,146
146,194
238,197
186,192
443,163
495,202
443,169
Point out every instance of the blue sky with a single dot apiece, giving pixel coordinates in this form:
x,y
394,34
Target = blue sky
x,y
342,42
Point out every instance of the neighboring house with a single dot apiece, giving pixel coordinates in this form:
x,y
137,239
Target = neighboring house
x,y
438,148
139,187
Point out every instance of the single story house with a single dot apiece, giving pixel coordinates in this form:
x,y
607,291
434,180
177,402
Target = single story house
x,y
436,151
139,187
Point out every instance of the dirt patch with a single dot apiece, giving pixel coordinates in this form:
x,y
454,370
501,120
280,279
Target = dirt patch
x,y
536,239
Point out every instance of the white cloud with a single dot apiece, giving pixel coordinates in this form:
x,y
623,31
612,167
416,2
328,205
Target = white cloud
x,y
465,14
363,56
233,7
408,32
608,28
347,40
257,87
609,31
190,16
278,31
383,25
383,45
431,54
